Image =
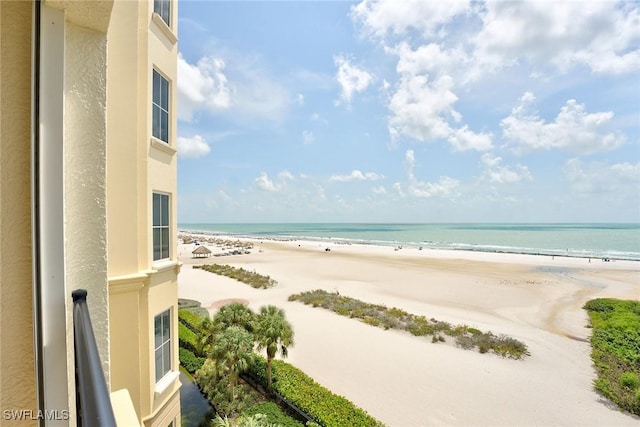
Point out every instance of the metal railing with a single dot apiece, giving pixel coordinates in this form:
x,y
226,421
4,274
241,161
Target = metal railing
x,y
93,402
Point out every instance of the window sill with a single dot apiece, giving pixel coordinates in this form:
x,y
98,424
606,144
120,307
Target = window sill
x,y
162,146
165,382
164,28
164,265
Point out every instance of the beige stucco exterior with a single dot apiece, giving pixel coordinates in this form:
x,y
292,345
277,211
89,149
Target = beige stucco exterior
x,y
95,110
17,375
140,288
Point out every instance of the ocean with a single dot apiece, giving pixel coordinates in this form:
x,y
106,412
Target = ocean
x,y
614,241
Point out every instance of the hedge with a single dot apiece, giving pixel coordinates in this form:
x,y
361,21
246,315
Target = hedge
x,y
190,319
190,361
274,414
187,338
327,408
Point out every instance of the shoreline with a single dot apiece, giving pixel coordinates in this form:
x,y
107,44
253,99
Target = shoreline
x,y
409,245
392,375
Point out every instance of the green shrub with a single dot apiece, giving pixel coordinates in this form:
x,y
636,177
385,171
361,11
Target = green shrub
x,y
326,408
240,274
274,414
190,319
629,380
189,360
187,338
615,343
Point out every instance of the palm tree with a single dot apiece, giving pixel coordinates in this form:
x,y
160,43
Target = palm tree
x,y
274,333
233,350
235,314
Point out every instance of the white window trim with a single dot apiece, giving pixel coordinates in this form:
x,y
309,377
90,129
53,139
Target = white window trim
x,y
169,109
165,382
163,379
166,30
162,146
168,260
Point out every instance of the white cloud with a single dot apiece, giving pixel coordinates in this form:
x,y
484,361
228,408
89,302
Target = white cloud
x,y
573,129
445,186
397,187
463,139
496,172
300,99
202,86
603,35
351,78
356,175
420,108
266,184
396,17
307,137
600,179
233,84
194,147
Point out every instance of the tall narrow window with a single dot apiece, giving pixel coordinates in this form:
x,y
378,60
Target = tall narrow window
x,y
160,107
163,8
162,328
160,226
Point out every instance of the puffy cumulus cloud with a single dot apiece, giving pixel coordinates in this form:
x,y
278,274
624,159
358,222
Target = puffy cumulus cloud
x,y
351,78
202,86
356,175
236,85
463,139
573,129
193,147
601,179
267,184
494,171
445,186
603,35
383,17
307,137
420,109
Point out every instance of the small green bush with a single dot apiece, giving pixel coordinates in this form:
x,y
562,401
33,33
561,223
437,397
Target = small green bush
x,y
629,380
189,360
190,319
274,414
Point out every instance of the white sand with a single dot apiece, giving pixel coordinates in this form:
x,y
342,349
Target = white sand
x,y
408,381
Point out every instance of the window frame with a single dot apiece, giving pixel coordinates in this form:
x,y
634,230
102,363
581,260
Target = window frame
x,y
160,105
158,222
164,349
163,9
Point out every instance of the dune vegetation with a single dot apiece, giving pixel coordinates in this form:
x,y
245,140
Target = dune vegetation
x,y
615,344
394,318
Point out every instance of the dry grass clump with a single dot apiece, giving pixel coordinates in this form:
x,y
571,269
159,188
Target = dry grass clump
x,y
240,274
395,318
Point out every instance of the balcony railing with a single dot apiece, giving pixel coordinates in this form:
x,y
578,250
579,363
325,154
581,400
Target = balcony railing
x,y
93,402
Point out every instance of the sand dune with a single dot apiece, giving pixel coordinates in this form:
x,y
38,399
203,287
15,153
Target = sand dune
x,y
408,381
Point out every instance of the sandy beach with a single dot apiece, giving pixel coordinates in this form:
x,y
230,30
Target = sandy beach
x,y
407,381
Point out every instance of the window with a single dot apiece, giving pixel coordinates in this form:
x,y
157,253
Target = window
x,y
163,343
160,107
163,8
160,226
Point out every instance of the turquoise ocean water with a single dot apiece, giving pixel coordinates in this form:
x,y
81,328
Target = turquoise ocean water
x,y
615,241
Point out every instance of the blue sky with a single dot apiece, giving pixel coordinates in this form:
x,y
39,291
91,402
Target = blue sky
x,y
408,111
